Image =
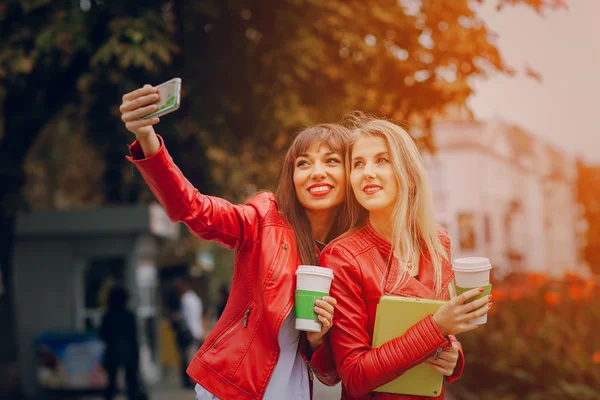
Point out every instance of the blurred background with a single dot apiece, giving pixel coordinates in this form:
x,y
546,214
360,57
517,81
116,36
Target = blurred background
x,y
499,94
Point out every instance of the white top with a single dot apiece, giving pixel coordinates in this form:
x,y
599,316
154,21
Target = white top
x,y
191,309
290,376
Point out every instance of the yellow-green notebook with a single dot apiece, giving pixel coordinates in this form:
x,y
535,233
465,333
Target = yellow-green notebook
x,y
394,316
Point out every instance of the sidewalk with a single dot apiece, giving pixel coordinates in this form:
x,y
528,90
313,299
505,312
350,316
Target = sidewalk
x,y
169,389
323,392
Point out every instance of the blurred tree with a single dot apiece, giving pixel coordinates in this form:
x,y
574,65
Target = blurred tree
x,y
257,71
63,67
253,72
588,197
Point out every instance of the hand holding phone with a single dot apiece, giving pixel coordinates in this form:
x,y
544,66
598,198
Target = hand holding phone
x,y
169,98
141,108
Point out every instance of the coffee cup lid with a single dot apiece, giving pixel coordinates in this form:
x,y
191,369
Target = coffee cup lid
x,y
473,264
314,270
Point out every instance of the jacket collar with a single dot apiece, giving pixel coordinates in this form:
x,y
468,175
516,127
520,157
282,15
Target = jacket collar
x,y
423,286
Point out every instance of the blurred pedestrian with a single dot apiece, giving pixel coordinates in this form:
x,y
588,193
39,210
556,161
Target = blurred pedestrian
x,y
119,333
187,324
254,350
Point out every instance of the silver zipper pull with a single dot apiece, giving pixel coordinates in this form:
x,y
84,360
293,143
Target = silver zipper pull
x,y
311,372
246,318
285,246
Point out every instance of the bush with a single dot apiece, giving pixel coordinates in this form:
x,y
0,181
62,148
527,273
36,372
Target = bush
x,y
541,341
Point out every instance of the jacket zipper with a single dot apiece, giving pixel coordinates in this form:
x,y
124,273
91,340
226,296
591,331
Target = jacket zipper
x,y
243,322
280,262
246,314
311,372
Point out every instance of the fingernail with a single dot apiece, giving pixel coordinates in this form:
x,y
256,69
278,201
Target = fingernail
x,y
490,297
316,308
481,290
490,305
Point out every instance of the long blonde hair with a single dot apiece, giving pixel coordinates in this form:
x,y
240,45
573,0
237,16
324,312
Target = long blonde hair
x,y
336,137
413,226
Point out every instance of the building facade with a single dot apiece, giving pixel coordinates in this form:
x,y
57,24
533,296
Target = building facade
x,y
506,195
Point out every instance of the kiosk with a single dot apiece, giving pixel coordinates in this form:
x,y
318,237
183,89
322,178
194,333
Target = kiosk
x,y
65,263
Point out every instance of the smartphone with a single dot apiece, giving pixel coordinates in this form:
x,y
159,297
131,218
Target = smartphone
x,y
170,98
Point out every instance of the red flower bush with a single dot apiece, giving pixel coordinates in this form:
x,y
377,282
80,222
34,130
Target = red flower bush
x,y
542,341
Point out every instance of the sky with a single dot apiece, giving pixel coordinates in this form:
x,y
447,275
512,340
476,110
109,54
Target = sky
x,y
564,46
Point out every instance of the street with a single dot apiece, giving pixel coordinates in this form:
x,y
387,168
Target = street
x,y
169,389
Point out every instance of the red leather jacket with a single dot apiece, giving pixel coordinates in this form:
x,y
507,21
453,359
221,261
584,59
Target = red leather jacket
x,y
238,356
358,261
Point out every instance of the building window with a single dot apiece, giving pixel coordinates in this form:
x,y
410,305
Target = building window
x,y
487,229
466,231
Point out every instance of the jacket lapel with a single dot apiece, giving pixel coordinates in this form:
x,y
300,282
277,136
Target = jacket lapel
x,y
423,286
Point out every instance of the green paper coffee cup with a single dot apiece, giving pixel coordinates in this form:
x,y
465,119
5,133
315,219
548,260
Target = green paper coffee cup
x,y
471,273
312,284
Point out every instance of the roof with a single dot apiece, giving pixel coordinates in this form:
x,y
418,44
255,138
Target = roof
x,y
133,219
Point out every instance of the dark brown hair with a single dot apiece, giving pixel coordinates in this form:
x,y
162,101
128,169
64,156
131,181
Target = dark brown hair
x,y
337,138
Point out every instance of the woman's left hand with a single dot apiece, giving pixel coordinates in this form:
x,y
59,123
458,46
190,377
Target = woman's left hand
x,y
446,361
324,309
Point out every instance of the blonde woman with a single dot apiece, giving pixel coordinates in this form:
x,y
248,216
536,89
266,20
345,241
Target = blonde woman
x,y
394,247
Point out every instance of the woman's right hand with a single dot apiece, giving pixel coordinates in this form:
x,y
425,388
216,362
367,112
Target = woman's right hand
x,y
135,105
453,317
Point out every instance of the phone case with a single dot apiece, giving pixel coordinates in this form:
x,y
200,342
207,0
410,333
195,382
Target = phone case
x,y
170,98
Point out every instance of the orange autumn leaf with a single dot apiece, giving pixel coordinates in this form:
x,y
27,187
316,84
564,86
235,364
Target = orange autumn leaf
x,y
575,292
536,279
499,294
571,277
589,287
552,298
590,284
516,295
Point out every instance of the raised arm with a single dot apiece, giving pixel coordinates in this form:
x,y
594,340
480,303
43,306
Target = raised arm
x,y
361,367
135,105
210,218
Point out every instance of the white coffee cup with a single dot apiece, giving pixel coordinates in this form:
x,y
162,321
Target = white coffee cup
x,y
470,273
312,284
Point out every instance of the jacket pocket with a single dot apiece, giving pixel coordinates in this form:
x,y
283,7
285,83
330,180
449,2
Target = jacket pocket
x,y
280,261
242,323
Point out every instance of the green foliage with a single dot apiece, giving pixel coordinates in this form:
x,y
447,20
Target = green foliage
x,y
134,42
60,55
254,72
257,72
